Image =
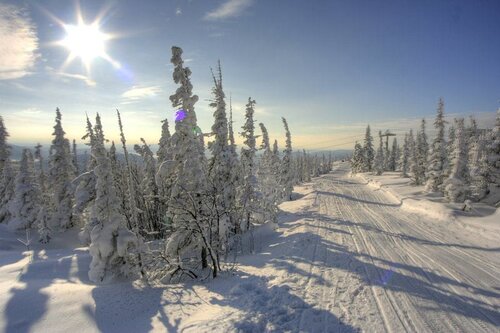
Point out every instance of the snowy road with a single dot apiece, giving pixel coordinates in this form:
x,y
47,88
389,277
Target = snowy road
x,y
408,273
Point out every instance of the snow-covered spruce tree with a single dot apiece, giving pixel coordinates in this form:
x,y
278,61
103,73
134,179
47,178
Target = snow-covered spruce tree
x,y
235,176
479,169
287,171
4,147
40,169
276,168
493,151
411,150
438,159
74,155
393,158
119,176
405,156
268,184
221,189
247,195
149,198
357,160
86,189
450,151
186,208
368,150
163,145
457,185
6,190
420,154
306,167
378,165
61,173
110,240
6,174
25,204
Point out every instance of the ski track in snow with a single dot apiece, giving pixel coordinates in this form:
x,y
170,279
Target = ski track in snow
x,y
346,258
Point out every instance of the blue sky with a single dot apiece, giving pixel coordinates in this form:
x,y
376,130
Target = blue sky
x,y
329,67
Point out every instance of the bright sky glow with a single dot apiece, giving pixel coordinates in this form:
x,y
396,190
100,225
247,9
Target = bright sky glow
x,y
347,63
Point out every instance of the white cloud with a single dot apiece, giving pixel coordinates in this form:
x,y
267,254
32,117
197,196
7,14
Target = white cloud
x,y
230,8
137,93
19,42
178,11
84,78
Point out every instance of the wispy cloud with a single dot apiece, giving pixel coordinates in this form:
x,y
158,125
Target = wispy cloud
x,y
137,93
19,42
230,8
83,78
178,11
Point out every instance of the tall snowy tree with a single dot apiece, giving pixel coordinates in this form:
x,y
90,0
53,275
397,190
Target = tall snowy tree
x,y
185,208
6,174
457,185
4,147
393,158
6,190
369,150
163,145
85,189
111,241
247,193
378,165
60,175
268,184
357,160
287,172
405,157
493,151
74,154
438,159
420,156
451,148
222,187
25,205
480,171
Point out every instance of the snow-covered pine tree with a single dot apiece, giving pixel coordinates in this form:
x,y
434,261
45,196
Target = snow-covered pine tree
x,y
276,167
268,184
4,147
150,203
6,190
438,159
393,159
247,195
405,157
119,176
186,208
457,185
6,174
86,189
450,151
74,154
221,190
235,175
378,165
357,161
493,151
163,145
420,156
61,173
25,204
111,241
369,150
287,171
479,169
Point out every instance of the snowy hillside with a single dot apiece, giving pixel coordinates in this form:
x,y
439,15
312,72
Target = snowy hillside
x,y
344,258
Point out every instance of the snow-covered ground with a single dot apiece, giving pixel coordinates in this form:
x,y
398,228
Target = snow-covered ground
x,y
346,257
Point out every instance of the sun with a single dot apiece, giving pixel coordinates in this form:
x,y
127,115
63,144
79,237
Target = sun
x,y
86,42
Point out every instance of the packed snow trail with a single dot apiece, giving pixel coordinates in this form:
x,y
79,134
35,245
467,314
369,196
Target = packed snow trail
x,y
422,278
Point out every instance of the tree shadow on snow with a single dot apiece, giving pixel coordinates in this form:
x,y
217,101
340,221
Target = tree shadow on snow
x,y
28,305
397,277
